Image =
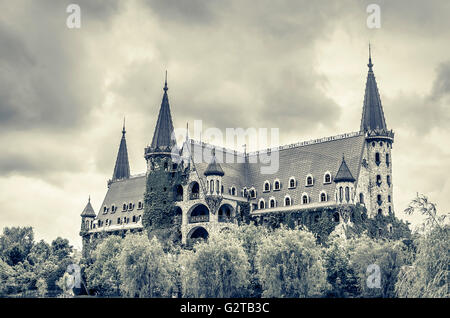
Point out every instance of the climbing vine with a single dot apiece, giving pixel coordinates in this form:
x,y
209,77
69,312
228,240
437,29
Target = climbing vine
x,y
159,216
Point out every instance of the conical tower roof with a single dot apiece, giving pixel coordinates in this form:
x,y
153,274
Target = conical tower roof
x,y
88,210
122,167
214,168
162,137
344,174
372,116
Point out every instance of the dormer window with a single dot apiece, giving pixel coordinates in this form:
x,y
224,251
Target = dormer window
x,y
105,210
113,208
276,185
124,207
140,205
327,177
287,200
266,186
305,198
130,206
262,204
292,183
272,203
323,196
252,193
244,192
309,180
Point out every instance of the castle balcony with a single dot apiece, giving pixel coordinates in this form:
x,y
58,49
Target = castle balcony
x,y
199,218
194,196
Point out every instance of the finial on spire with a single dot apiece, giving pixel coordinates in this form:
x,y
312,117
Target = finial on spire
x,y
123,127
214,151
89,199
187,131
165,83
370,59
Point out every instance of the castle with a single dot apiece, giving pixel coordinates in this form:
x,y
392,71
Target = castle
x,y
323,174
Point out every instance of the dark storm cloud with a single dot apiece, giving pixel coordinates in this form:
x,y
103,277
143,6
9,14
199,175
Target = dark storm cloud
x,y
44,80
422,114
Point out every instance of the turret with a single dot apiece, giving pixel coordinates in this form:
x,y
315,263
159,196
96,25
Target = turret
x,y
87,217
214,174
122,166
345,184
377,158
163,148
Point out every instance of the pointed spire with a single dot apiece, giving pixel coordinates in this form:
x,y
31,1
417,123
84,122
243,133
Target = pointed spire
x,y
88,211
122,167
344,174
214,168
372,116
162,137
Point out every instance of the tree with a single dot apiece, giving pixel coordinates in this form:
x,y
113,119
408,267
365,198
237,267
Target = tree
x,y
145,269
427,276
16,244
368,255
215,268
289,264
103,275
340,275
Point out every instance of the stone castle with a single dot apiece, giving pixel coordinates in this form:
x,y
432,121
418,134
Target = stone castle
x,y
313,176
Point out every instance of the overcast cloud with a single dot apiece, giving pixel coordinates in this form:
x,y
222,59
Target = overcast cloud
x,y
296,65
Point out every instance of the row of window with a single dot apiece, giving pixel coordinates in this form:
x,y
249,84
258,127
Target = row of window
x,y
388,180
323,197
309,181
121,220
125,207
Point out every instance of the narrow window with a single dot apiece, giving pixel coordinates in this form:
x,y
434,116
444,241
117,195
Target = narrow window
x,y
266,186
217,186
305,199
309,181
211,186
388,180
261,204
272,203
378,180
387,159
327,178
341,194
377,158
287,201
347,194
277,185
323,197
361,198
292,183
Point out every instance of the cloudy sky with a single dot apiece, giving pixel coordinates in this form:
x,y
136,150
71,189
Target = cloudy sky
x,y
296,65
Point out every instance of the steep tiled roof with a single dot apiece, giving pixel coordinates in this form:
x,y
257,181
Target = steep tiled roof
x,y
88,210
372,116
122,167
344,173
124,191
164,127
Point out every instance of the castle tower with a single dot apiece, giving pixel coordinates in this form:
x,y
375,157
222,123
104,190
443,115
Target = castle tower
x,y
87,218
377,158
122,167
162,150
345,184
214,174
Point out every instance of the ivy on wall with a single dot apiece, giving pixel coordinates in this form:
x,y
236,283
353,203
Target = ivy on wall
x,y
159,217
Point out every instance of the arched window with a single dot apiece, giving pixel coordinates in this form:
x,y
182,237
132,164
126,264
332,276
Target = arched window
x,y
341,194
113,208
327,177
389,198
390,210
380,212
105,210
130,206
378,179
305,198
309,180
323,196
266,186
379,198
347,194
211,186
217,187
388,180
272,203
292,182
194,190
262,204
277,185
361,198
233,190
377,158
287,201
252,193
244,192
387,159
140,205
124,207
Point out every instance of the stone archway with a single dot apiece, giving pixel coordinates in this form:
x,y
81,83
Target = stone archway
x,y
198,213
198,232
226,213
